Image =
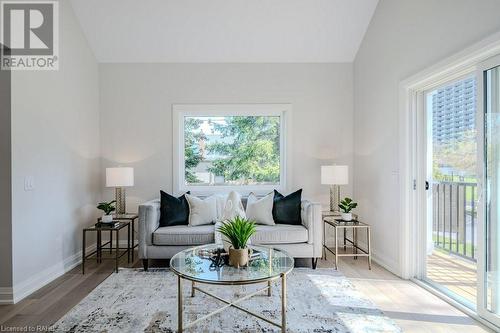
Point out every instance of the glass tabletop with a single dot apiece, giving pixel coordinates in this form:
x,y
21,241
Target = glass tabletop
x,y
108,226
126,216
342,223
267,264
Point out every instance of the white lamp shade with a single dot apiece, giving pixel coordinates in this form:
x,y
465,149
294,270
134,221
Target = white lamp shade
x,y
335,175
119,177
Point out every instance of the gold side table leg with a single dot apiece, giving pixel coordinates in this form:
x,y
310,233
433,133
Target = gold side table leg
x,y
269,288
324,240
179,305
83,252
355,248
369,249
345,231
336,249
192,289
283,303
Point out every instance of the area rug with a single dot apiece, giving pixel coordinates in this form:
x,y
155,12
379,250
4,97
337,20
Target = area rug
x,y
132,300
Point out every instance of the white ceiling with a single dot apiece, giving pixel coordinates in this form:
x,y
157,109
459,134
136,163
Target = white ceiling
x,y
224,30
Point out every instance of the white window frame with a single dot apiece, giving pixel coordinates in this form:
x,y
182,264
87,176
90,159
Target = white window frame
x,y
180,111
411,113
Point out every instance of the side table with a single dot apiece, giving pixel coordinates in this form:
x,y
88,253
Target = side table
x,y
98,228
339,224
132,217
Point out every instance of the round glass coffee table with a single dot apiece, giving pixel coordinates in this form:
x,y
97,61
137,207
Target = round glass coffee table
x,y
195,265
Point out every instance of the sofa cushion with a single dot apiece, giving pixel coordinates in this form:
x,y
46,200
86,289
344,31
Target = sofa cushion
x,y
260,210
286,209
184,235
202,211
280,234
173,211
233,207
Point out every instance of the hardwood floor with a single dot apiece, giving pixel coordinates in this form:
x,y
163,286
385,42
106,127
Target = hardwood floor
x,y
412,307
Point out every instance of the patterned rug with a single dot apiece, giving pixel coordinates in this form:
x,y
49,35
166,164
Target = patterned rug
x,y
319,300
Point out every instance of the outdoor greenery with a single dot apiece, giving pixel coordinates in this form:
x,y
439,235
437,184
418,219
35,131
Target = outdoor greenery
x,y
107,207
444,245
247,150
238,231
192,154
458,155
347,205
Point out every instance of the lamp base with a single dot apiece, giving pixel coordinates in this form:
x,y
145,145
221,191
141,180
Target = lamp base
x,y
334,198
120,200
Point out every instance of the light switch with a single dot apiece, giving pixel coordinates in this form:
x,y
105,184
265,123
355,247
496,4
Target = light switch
x,y
29,183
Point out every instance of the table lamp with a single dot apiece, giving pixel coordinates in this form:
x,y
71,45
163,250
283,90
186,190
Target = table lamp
x,y
334,175
119,178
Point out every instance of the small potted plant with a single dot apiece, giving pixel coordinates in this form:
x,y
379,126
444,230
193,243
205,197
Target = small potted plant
x,y
238,231
346,206
107,208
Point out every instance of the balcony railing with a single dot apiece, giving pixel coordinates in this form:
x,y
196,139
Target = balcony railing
x,y
454,218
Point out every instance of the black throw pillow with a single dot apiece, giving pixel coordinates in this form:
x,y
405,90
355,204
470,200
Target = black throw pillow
x,y
173,211
286,210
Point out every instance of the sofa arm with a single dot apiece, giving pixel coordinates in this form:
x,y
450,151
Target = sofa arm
x,y
311,219
149,219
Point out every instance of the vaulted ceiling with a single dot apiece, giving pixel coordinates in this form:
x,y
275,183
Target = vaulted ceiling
x,y
224,30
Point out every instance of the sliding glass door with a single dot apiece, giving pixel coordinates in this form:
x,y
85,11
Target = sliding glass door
x,y
458,155
451,175
488,305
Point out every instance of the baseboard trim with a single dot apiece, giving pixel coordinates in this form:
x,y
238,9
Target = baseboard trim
x,y
34,283
6,296
390,266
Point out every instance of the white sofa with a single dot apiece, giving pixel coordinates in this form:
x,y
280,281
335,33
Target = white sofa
x,y
300,241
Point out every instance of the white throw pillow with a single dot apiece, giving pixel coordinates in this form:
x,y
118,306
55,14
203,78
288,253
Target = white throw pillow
x,y
260,210
201,211
221,203
233,207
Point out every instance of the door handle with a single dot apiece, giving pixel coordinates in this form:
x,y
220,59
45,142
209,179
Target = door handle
x,y
426,185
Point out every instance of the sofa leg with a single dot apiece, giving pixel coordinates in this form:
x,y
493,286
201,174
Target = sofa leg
x,y
314,262
145,264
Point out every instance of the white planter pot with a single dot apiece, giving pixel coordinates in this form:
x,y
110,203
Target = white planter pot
x,y
107,218
346,216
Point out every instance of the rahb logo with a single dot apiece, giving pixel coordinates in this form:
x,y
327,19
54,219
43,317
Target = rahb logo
x,y
29,35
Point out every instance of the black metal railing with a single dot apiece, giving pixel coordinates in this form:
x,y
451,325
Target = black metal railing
x,y
454,218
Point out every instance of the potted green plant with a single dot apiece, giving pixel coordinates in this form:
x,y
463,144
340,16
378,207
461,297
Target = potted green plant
x,y
107,208
238,231
346,206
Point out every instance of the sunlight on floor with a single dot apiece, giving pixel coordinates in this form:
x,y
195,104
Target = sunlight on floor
x,y
413,308
454,273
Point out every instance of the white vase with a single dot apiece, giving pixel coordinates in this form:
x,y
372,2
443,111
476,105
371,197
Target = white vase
x,y
346,216
107,218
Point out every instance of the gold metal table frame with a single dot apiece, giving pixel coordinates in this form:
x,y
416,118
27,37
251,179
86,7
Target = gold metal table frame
x,y
357,251
181,327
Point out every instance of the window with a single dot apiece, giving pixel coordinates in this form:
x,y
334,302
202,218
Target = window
x,y
221,147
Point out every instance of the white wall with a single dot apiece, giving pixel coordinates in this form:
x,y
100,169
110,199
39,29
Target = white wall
x,y
136,115
5,190
403,38
55,139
